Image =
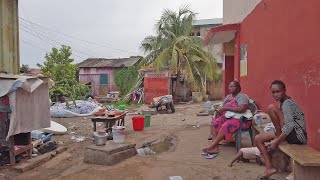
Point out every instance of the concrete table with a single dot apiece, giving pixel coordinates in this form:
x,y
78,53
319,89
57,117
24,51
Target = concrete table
x,y
109,154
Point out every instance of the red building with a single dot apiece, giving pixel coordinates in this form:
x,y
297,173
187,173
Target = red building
x,y
270,40
156,84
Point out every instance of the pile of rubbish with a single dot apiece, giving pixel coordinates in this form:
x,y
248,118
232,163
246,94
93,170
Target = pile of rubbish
x,y
82,108
42,143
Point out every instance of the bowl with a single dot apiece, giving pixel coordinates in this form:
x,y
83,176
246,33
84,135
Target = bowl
x,y
99,113
118,113
111,114
102,110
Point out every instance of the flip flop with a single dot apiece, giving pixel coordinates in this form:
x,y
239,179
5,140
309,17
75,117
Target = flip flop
x,y
204,154
211,156
261,177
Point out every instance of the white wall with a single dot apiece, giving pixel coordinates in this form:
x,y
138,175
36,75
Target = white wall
x,y
234,11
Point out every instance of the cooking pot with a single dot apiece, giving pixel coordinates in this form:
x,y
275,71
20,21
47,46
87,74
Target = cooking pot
x,y
100,138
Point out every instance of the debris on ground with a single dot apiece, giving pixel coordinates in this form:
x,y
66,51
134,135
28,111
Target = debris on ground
x,y
78,138
175,178
148,144
73,128
47,147
145,151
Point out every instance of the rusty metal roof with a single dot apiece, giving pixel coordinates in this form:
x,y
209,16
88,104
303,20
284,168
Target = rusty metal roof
x,y
101,62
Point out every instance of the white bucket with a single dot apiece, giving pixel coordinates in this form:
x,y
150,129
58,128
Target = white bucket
x,y
118,134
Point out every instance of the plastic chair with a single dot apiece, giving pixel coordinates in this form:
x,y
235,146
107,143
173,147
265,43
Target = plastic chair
x,y
253,108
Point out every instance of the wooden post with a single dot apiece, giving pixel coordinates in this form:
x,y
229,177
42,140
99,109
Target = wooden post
x,y
11,151
9,36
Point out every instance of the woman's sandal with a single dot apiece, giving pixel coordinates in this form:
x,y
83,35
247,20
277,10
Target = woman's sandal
x,y
260,177
211,156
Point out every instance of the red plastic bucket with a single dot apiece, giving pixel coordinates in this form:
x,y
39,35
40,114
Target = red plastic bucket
x,y
138,123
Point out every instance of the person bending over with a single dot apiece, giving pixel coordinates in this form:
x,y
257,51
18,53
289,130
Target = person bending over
x,y
288,121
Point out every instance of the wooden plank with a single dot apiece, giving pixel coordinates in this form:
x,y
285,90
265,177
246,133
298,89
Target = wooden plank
x,y
305,173
303,154
32,163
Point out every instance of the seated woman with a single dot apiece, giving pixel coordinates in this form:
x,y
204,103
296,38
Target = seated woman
x,y
223,128
288,121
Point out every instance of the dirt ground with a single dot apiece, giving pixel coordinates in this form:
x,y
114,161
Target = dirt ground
x,y
181,159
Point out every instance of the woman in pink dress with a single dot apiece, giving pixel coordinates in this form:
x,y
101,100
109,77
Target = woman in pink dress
x,y
222,127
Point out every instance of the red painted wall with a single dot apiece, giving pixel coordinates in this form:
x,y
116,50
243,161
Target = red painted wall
x,y
154,87
283,43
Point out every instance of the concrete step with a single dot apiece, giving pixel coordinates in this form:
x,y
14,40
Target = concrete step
x,y
109,154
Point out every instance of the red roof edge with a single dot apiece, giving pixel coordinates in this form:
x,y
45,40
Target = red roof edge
x,y
216,29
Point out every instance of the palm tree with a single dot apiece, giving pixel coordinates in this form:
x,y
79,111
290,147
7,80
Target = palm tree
x,y
173,47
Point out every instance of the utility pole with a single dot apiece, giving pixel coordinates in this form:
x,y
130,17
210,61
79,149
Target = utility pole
x,y
9,36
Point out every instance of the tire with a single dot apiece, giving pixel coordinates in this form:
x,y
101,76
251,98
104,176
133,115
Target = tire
x,y
172,108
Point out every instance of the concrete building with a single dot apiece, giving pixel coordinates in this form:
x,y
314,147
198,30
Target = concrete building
x,y
201,28
263,42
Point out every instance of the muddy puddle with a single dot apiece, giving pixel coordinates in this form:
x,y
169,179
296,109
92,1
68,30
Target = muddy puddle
x,y
163,146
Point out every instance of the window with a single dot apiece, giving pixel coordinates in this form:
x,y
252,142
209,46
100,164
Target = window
x,y
243,60
104,79
198,33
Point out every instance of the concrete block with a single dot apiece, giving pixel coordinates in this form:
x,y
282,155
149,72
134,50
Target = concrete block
x,y
109,154
110,147
197,96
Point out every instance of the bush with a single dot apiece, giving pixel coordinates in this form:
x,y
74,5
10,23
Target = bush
x,y
126,78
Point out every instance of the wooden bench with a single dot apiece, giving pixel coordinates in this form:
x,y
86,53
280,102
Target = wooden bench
x,y
306,161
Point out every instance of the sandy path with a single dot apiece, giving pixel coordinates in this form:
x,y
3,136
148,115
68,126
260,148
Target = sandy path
x,y
183,159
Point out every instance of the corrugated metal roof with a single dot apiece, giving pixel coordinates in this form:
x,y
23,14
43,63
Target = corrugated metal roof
x,y
208,22
101,62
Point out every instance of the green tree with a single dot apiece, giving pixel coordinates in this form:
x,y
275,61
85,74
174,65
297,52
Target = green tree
x,y
175,48
126,78
60,68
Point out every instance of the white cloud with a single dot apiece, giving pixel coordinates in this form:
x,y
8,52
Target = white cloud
x,y
120,24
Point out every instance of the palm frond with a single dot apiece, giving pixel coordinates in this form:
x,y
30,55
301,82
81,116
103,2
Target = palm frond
x,y
147,43
174,48
161,60
174,60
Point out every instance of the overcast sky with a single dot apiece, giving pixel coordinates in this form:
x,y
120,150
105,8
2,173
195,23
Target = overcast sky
x,y
95,28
